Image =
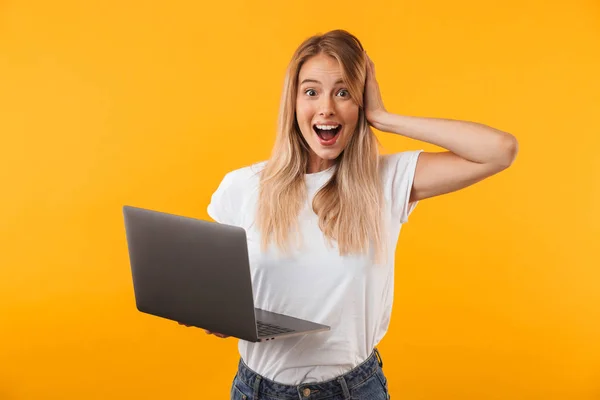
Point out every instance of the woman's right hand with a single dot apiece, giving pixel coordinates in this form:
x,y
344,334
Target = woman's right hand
x,y
222,336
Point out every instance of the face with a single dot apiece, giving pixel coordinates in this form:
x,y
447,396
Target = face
x,y
326,114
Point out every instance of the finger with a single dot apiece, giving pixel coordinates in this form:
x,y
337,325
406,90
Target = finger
x,y
207,331
370,68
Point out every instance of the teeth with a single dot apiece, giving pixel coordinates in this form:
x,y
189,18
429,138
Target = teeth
x,y
326,127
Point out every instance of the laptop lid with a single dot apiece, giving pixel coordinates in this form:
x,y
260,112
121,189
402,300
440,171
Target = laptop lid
x,y
191,271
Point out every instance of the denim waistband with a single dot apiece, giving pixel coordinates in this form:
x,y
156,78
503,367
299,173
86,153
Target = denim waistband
x,y
333,386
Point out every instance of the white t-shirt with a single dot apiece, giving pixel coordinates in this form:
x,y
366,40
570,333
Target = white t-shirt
x,y
350,294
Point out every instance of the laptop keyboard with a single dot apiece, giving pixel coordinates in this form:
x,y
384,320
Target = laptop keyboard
x,y
265,329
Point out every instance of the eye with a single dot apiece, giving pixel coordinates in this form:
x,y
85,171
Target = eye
x,y
308,92
345,92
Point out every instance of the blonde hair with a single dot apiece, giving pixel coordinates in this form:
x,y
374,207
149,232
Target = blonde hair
x,y
350,204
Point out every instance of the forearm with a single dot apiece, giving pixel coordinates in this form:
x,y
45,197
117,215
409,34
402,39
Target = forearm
x,y
469,140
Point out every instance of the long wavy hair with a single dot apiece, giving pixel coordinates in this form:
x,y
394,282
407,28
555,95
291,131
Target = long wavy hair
x,y
349,206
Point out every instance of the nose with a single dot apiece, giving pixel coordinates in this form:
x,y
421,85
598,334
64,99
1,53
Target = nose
x,y
326,106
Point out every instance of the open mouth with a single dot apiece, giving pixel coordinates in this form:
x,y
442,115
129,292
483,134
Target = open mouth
x,y
327,133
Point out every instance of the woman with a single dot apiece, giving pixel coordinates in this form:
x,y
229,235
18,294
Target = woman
x,y
323,216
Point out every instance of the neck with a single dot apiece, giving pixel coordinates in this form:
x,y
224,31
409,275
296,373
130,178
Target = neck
x,y
318,165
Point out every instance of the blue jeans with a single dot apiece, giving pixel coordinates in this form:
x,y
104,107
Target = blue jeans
x,y
364,382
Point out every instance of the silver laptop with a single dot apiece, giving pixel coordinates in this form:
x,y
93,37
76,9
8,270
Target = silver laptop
x,y
197,272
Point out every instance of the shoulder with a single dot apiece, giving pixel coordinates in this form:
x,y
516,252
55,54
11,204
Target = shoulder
x,y
391,164
232,193
244,176
398,172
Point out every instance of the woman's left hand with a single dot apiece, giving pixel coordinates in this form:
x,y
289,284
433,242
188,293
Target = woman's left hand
x,y
374,108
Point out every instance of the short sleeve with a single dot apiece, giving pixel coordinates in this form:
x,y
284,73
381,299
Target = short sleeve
x,y
221,207
398,180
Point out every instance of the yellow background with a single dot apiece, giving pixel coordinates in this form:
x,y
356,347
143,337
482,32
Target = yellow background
x,y
105,103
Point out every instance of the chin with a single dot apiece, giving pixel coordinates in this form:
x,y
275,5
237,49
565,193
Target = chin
x,y
329,156
326,154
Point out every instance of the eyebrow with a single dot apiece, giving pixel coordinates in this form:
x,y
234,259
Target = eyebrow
x,y
316,81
